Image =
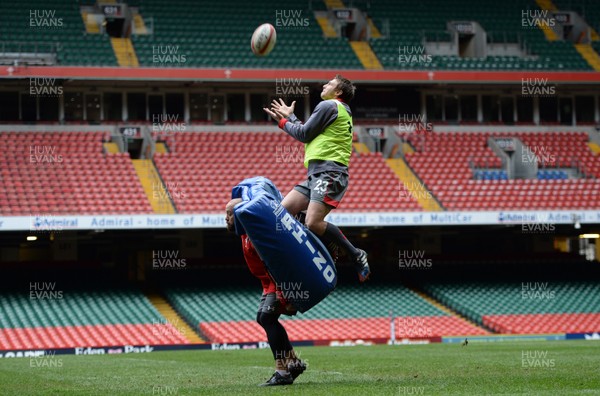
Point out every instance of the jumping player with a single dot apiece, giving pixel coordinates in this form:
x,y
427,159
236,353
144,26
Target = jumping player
x,y
327,136
287,365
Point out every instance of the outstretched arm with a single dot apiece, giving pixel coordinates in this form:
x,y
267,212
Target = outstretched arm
x,y
323,115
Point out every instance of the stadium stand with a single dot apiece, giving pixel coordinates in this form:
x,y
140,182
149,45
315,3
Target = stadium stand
x,y
524,307
228,314
40,24
204,44
81,319
196,158
458,168
414,23
54,173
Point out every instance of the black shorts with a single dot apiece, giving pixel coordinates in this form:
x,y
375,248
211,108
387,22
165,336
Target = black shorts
x,y
325,187
269,304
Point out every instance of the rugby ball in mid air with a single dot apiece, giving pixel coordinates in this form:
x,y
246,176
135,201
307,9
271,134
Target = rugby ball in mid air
x,y
263,39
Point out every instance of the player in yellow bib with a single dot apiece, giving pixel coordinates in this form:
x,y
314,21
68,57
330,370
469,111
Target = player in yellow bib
x,y
327,136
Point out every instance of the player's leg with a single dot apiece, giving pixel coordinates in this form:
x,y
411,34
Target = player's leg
x,y
297,199
281,348
327,190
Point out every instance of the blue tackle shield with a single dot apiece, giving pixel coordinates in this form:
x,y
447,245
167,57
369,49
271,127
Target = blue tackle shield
x,y
296,259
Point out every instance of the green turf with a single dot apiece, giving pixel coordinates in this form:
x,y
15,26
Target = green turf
x,y
435,369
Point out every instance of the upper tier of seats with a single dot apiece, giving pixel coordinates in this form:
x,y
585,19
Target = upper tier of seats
x,y
35,25
211,35
218,34
501,20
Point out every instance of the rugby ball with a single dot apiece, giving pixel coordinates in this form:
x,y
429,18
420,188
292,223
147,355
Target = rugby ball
x,y
263,39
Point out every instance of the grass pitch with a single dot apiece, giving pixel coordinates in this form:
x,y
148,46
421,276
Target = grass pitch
x,y
506,368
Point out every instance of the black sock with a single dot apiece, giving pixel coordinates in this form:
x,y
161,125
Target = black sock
x,y
334,234
276,335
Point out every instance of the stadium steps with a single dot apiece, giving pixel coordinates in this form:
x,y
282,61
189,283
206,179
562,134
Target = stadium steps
x,y
407,148
365,54
375,33
139,26
124,52
414,185
111,147
173,318
441,306
91,26
328,30
594,147
332,4
155,190
549,33
547,5
361,148
161,148
588,53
